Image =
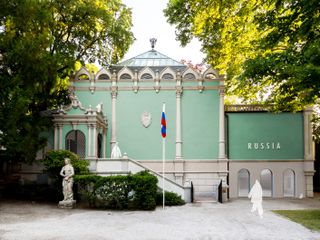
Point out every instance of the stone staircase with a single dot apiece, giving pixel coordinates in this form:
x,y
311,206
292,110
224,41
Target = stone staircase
x,y
124,166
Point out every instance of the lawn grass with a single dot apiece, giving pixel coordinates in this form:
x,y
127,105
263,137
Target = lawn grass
x,y
309,218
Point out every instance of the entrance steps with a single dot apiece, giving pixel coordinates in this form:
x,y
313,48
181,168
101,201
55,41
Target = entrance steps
x,y
124,166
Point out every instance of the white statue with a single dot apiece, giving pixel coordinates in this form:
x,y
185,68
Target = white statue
x,y
256,198
116,153
99,107
67,173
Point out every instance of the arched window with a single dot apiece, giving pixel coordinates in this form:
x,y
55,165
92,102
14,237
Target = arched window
x,y
146,76
103,77
125,76
83,77
189,76
243,182
99,150
167,76
76,142
266,182
288,183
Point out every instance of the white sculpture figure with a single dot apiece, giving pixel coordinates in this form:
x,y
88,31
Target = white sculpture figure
x,y
99,107
256,198
67,173
116,153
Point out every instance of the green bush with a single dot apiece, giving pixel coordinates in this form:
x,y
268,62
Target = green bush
x,y
54,161
171,199
136,191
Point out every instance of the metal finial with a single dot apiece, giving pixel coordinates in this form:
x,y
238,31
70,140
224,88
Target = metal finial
x,y
153,42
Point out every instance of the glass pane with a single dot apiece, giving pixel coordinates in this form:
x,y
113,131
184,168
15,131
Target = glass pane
x,y
288,183
243,182
266,183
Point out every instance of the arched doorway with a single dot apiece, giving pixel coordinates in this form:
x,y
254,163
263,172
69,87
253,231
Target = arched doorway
x,y
76,142
288,183
243,182
266,182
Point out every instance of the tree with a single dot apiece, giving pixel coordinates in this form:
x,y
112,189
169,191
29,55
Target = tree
x,y
269,49
40,42
289,56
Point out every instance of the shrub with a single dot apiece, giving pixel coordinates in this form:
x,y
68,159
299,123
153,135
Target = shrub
x,y
171,199
144,186
136,191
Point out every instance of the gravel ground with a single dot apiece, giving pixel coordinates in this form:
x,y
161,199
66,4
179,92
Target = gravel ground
x,y
198,221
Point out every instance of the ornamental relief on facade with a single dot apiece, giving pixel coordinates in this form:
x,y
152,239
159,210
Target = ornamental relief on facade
x,y
146,119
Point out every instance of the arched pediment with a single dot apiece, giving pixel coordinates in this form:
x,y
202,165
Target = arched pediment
x,y
83,75
168,74
211,73
125,74
103,74
190,74
146,73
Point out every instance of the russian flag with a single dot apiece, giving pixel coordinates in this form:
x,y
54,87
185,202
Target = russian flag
x,y
163,122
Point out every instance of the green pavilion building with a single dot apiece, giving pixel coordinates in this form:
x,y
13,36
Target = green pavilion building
x,y
207,142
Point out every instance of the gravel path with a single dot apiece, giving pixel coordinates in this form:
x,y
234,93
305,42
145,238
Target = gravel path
x,y
199,221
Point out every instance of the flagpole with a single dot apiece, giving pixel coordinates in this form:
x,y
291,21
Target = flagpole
x,y
163,169
163,153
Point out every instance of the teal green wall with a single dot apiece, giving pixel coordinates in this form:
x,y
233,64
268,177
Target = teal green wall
x,y
200,122
136,140
262,128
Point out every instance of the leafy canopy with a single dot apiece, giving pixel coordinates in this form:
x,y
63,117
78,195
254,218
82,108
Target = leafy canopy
x,y
40,42
269,49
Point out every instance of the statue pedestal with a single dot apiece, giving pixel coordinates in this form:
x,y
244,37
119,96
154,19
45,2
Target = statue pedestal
x,y
67,204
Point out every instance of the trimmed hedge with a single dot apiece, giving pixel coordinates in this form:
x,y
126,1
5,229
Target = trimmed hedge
x,y
171,199
136,191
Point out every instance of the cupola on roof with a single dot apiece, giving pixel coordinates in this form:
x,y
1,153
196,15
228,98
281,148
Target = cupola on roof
x,y
151,58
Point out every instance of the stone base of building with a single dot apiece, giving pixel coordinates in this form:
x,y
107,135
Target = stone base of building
x,y
67,204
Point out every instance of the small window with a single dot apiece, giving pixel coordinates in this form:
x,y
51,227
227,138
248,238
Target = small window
x,y
125,76
167,76
189,76
210,76
146,76
103,77
83,77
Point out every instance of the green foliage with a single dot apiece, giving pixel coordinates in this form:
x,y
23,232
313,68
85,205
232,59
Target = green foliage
x,y
40,42
54,161
171,199
136,191
269,49
144,186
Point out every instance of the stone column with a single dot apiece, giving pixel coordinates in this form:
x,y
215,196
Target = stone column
x,y
89,140
94,140
222,142
114,94
178,125
56,140
308,152
104,142
178,164
60,135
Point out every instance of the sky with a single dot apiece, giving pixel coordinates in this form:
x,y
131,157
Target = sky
x,y
149,22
